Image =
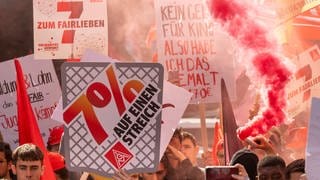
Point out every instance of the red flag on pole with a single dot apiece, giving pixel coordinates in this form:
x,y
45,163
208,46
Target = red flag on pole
x,y
27,124
231,141
216,138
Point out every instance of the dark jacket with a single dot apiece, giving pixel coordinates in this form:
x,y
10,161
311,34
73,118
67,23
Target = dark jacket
x,y
185,171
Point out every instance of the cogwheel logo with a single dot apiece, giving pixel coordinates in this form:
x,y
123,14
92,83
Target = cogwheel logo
x,y
118,155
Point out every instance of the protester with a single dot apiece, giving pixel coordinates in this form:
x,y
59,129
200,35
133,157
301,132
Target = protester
x,y
177,164
295,169
269,144
54,140
122,175
275,138
87,176
53,145
260,146
170,160
189,147
296,141
94,176
5,161
248,159
158,175
58,166
278,140
242,175
27,162
271,167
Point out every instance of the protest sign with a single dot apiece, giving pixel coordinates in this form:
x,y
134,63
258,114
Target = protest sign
x,y
112,113
191,43
288,9
43,90
175,100
65,29
305,82
88,56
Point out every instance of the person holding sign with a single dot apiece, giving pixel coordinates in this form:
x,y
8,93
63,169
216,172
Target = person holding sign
x,y
58,165
296,169
54,140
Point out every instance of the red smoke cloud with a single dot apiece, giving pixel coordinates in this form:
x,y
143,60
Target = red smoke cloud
x,y
234,18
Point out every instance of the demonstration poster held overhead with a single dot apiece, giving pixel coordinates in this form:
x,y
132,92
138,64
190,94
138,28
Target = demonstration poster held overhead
x,y
112,113
192,44
43,91
305,82
65,29
288,9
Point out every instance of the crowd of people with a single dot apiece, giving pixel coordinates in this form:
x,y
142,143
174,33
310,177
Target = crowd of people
x,y
260,158
179,162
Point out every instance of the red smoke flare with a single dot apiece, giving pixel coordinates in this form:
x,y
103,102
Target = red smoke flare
x,y
233,16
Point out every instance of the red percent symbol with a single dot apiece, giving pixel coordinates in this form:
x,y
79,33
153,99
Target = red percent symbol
x,y
99,95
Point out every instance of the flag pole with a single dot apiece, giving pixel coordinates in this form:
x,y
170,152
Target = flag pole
x,y
229,126
204,136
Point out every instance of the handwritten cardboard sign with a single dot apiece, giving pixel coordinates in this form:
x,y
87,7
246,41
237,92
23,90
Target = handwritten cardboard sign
x,y
65,29
112,113
43,90
191,43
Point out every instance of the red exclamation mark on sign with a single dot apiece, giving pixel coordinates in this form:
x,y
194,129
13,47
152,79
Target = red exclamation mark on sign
x,y
315,55
76,9
305,72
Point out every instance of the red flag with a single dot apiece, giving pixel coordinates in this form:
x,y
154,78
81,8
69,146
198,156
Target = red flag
x,y
27,124
231,142
216,138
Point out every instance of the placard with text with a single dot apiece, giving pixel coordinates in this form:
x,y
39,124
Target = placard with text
x,y
65,29
305,81
288,9
112,113
192,44
43,89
